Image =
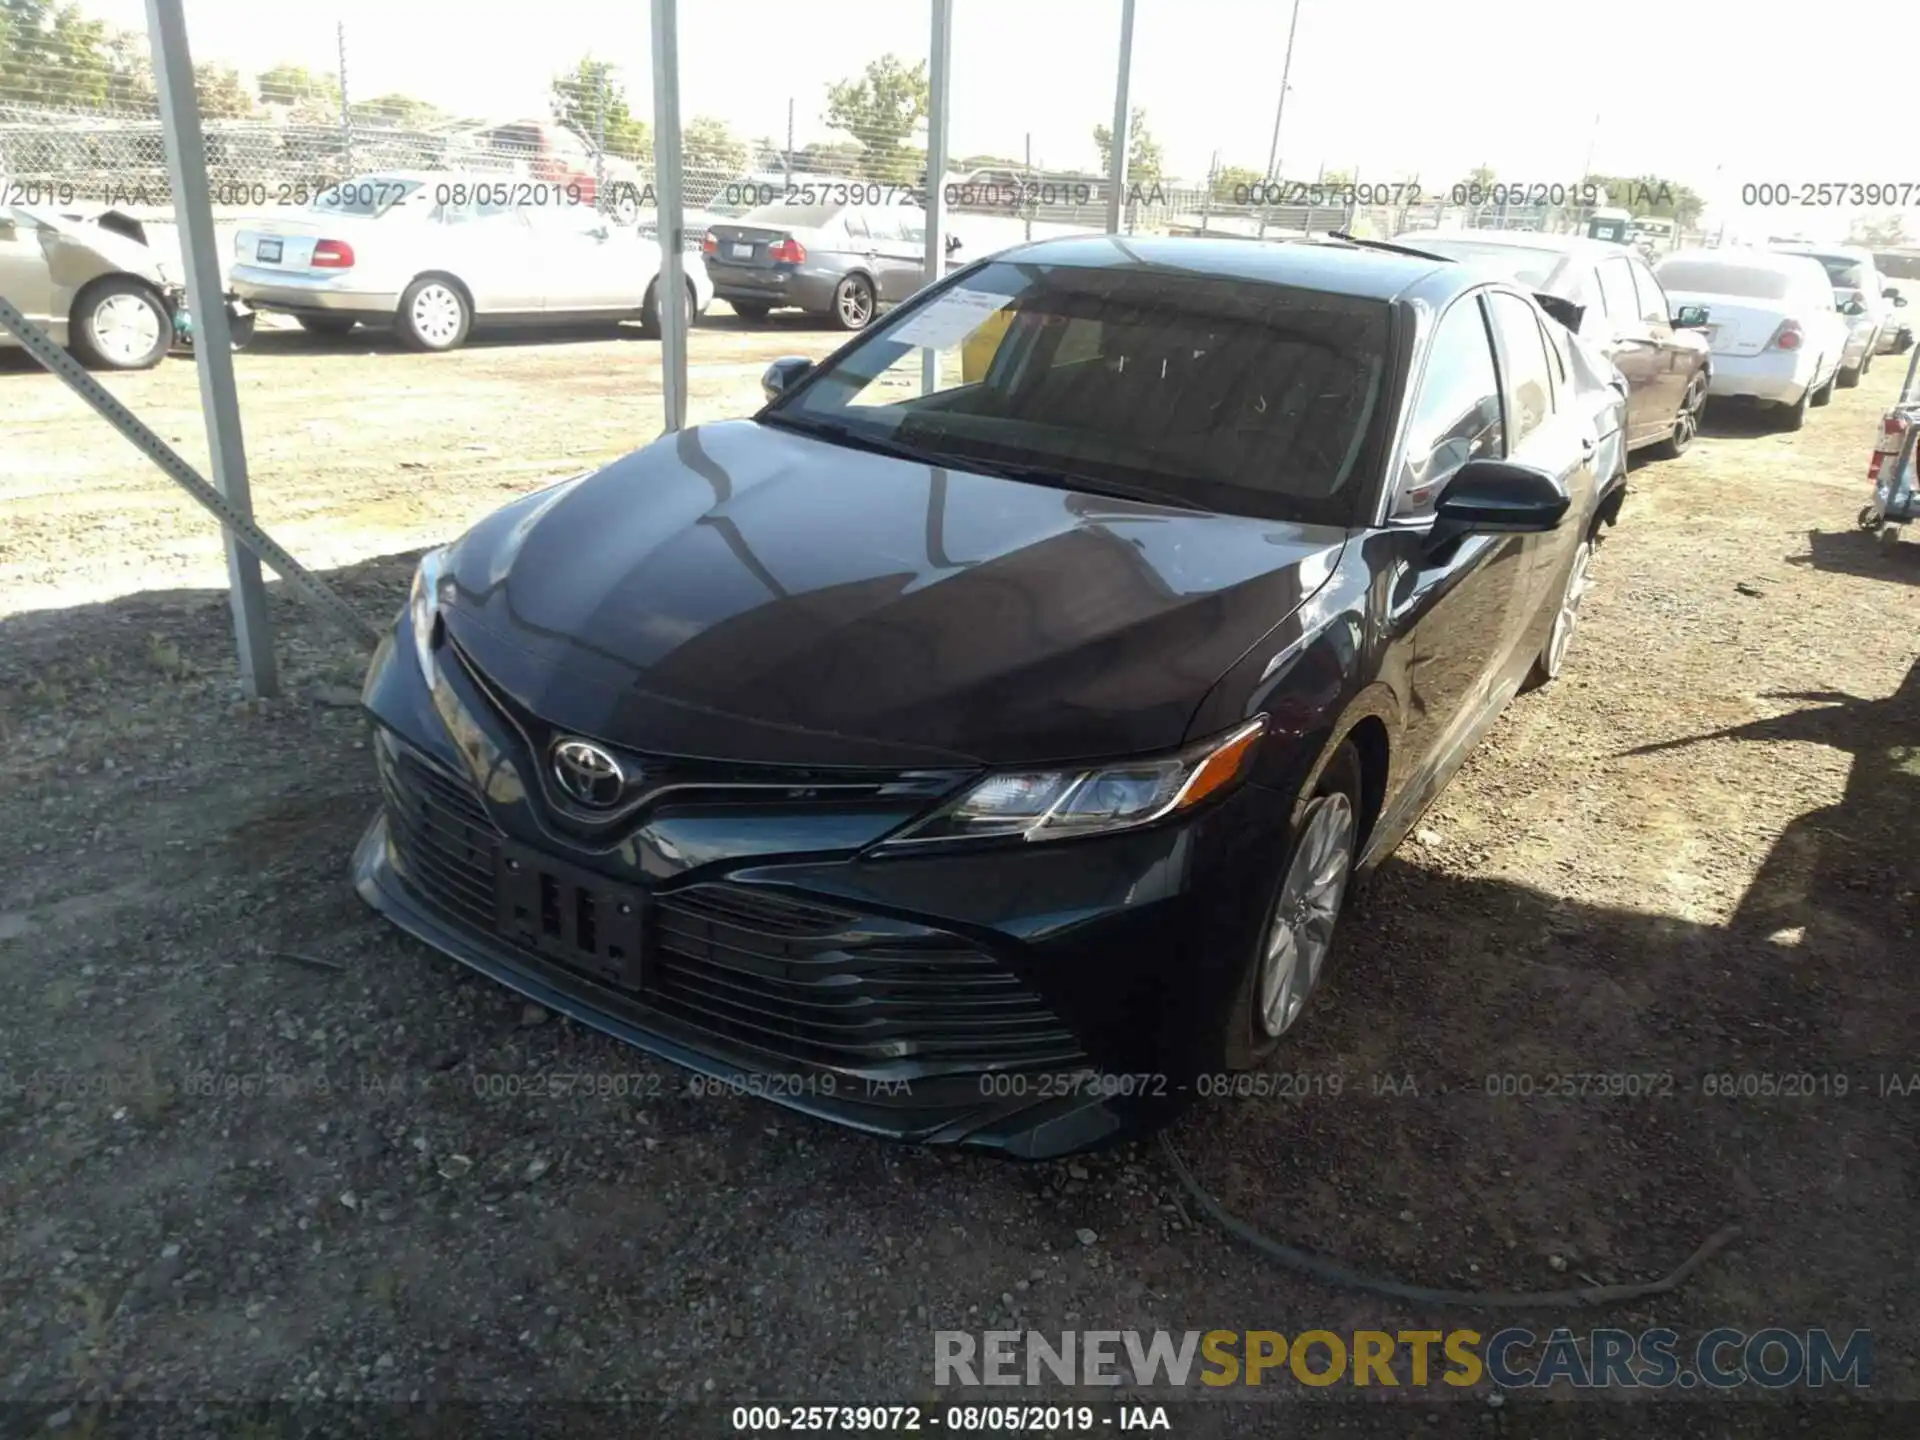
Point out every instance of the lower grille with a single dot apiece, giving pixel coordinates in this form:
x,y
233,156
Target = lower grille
x,y
806,981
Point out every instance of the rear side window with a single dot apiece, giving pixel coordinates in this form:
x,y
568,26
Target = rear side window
x,y
856,224
790,217
1653,300
1523,351
1456,416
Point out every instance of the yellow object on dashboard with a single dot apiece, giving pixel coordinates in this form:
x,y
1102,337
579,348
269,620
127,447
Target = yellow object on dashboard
x,y
978,349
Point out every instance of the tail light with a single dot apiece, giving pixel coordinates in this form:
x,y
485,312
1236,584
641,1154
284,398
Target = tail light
x,y
1893,435
787,251
1787,337
332,255
710,244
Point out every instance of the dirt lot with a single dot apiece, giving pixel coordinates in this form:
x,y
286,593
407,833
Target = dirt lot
x,y
249,1150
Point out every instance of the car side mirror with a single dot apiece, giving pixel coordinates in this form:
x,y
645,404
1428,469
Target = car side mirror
x,y
1690,317
783,374
953,243
1853,308
1892,294
1498,497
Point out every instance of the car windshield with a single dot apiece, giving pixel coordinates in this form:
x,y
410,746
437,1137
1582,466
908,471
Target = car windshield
x,y
1201,391
1718,277
367,195
1528,265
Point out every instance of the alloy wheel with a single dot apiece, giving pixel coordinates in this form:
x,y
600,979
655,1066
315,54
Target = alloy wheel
x,y
125,328
1567,619
1300,932
855,303
1687,424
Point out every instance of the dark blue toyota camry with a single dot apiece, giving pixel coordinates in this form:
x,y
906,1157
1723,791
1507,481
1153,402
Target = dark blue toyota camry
x,y
978,743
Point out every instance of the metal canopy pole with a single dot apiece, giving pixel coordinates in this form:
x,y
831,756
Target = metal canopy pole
x,y
940,74
1122,118
213,341
668,197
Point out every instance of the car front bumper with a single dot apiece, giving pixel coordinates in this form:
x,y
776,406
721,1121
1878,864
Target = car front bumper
x,y
308,295
1028,999
1777,377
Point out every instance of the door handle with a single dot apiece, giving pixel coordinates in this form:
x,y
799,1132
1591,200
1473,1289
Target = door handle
x,y
1587,446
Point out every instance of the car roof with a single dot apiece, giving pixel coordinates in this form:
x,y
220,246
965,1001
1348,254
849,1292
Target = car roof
x,y
1524,240
1337,268
1840,252
1782,261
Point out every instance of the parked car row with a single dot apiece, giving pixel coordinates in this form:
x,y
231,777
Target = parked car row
x,y
911,741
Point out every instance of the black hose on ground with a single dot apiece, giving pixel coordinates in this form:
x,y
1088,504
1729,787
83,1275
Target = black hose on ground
x,y
1335,1274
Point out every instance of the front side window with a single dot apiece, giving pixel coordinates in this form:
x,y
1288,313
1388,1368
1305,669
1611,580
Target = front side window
x,y
1653,300
1457,415
1216,393
1616,289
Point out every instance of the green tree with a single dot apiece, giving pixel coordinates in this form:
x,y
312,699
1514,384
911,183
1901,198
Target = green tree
x,y
402,112
292,84
880,110
51,54
709,146
1882,233
832,158
589,99
1237,185
221,92
1143,151
1651,195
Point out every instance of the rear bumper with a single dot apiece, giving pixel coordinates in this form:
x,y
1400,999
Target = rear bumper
x,y
776,287
307,295
1777,377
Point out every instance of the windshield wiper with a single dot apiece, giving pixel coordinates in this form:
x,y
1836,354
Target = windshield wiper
x,y
860,439
1062,479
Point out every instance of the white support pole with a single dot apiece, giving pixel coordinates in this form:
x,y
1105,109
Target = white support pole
x,y
212,338
1122,124
671,287
939,76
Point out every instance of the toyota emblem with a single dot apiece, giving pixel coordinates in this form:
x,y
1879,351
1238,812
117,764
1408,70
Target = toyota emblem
x,y
587,773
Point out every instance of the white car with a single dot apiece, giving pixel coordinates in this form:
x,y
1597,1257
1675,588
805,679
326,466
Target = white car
x,y
1853,273
434,253
1777,336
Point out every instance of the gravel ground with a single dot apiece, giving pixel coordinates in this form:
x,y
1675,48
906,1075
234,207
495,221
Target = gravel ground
x,y
259,1146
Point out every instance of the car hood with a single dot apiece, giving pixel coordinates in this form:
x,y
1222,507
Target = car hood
x,y
77,250
740,591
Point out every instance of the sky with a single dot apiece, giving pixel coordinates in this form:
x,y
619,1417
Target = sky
x,y
1708,92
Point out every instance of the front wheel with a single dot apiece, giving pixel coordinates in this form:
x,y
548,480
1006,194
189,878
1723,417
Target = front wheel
x,y
121,324
1290,958
753,314
1849,375
433,315
325,324
1566,618
853,303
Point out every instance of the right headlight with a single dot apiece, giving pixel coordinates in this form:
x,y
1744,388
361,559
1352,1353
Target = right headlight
x,y
1091,800
423,608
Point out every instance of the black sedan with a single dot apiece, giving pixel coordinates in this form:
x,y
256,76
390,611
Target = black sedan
x,y
977,744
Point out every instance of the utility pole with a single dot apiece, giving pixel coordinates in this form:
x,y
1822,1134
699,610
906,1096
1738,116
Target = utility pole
x,y
789,139
1286,68
1122,122
1032,197
346,125
939,95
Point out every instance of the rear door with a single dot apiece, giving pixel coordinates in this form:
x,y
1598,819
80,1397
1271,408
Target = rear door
x,y
589,263
896,260
491,248
1679,355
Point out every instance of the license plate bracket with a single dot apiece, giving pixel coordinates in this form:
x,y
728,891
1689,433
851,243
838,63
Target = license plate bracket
x,y
267,251
570,915
741,252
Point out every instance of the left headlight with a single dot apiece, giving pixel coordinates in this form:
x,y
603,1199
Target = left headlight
x,y
423,608
1055,804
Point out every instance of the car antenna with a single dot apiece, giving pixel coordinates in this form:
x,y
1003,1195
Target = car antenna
x,y
1352,239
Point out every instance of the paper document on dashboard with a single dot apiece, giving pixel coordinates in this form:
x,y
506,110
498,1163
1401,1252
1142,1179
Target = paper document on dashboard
x,y
949,319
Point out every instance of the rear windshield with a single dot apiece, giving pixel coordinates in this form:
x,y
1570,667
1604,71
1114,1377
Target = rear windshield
x,y
369,195
1218,394
1713,277
1844,271
1527,265
791,217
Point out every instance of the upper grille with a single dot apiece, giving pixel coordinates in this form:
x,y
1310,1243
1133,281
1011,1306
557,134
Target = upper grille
x,y
805,980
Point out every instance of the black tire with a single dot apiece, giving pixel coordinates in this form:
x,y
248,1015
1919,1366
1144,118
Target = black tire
x,y
240,329
326,324
434,315
107,324
650,313
1793,416
1686,420
1245,1041
1824,395
751,313
1849,376
854,303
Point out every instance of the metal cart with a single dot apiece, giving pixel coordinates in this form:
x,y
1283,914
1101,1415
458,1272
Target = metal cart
x,y
1896,486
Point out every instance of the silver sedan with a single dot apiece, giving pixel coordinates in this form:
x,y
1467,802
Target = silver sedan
x,y
434,253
